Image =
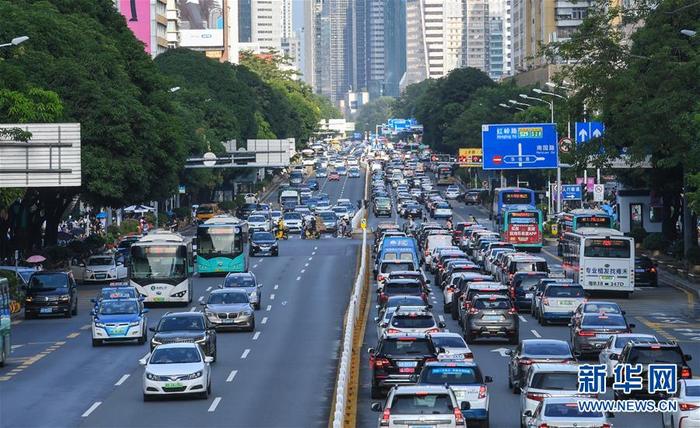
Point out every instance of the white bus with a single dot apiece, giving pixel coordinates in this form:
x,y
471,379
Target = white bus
x,y
161,268
599,259
308,157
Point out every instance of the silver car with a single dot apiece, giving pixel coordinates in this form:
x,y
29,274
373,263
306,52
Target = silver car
x,y
230,309
245,281
103,268
613,348
563,411
421,406
413,319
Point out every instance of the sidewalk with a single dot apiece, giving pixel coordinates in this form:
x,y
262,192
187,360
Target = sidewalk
x,y
673,273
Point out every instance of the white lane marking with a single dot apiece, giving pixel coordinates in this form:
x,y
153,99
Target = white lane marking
x,y
535,333
146,356
256,335
245,353
298,278
193,308
264,320
313,253
214,404
269,308
522,318
441,318
208,288
303,270
306,265
311,258
272,296
315,248
122,380
16,346
276,286
254,266
201,299
92,408
231,375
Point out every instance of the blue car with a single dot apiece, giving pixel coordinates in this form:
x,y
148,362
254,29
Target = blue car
x,y
119,320
117,291
312,184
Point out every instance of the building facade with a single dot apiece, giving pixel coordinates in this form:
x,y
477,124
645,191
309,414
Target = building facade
x,y
265,23
476,43
395,47
148,20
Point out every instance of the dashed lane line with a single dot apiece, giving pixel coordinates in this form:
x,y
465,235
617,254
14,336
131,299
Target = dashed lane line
x,y
245,353
264,320
231,375
73,335
276,286
193,308
256,335
122,380
214,404
92,408
535,333
269,308
272,296
86,327
208,288
298,278
522,318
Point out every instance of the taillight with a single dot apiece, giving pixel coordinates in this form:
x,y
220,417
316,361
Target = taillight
x,y
536,396
433,330
512,311
382,297
585,333
652,270
473,311
392,330
543,425
482,391
525,361
606,425
429,359
459,418
545,301
686,373
687,406
381,362
385,418
380,277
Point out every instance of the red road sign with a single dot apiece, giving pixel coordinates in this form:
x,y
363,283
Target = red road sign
x,y
497,159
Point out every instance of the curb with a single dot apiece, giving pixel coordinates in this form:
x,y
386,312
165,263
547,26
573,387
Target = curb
x,y
674,282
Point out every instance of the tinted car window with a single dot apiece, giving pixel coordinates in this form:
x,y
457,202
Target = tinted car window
x,y
530,266
492,304
568,410
564,292
451,375
692,391
402,288
546,348
227,298
48,281
405,347
449,342
527,281
609,308
661,355
100,261
171,323
412,321
429,404
175,356
405,301
394,267
603,321
240,281
123,307
263,236
620,342
556,381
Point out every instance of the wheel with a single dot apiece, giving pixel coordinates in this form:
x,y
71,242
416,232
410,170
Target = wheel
x,y
203,395
276,254
209,386
376,393
252,326
251,253
75,310
96,342
256,306
510,381
147,397
513,340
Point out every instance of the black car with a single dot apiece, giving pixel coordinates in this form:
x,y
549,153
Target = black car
x,y
246,210
185,327
263,242
531,351
645,272
491,315
412,209
51,293
523,287
398,359
590,332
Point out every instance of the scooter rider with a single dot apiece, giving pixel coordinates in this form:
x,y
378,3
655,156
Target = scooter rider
x,y
281,229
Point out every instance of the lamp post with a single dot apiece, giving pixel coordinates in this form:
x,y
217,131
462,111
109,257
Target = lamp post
x,y
15,41
689,33
511,107
519,103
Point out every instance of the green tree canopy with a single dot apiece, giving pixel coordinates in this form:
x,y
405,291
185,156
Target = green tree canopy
x,y
374,113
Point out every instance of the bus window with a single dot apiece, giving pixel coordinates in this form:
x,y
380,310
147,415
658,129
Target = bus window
x,y
607,248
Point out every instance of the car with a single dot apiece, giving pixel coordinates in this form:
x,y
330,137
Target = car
x,y
382,321
559,301
103,268
229,309
442,210
688,412
564,412
263,242
385,267
382,206
491,315
275,217
462,295
119,320
312,184
397,359
452,192
597,307
341,212
176,369
645,353
341,170
246,210
413,319
411,209
401,300
401,287
451,345
613,346
292,221
179,327
472,197
258,223
645,272
51,293
434,403
321,173
531,351
333,176
547,380
468,384
117,292
354,172
539,291
245,281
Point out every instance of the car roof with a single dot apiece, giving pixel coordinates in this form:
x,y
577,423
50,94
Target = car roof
x,y
410,335
177,345
543,341
554,367
445,334
239,274
130,299
184,314
451,363
413,389
228,290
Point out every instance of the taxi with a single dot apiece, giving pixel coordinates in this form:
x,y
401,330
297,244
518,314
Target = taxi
x,y
119,320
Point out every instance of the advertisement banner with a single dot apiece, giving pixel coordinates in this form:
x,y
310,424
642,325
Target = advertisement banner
x,y
138,19
201,23
470,157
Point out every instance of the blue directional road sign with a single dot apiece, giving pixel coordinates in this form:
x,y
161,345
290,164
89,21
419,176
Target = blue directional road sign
x,y
586,131
520,146
571,192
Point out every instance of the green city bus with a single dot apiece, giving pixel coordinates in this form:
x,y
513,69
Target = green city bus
x,y
220,246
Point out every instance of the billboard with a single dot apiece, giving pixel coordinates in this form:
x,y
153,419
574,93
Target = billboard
x,y
51,157
138,19
201,23
469,158
520,146
271,152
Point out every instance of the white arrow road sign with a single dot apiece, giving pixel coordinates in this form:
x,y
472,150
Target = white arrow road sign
x,y
501,351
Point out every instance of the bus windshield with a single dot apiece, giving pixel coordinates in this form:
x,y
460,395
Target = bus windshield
x,y
607,248
158,261
594,221
218,240
515,197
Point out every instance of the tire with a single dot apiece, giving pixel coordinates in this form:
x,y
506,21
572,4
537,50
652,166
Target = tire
x,y
252,326
256,306
213,355
142,339
147,397
75,310
376,393
96,343
209,386
203,395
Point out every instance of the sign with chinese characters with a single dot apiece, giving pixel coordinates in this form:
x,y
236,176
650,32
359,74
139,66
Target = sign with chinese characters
x,y
520,146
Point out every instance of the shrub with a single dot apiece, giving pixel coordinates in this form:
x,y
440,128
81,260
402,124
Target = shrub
x,y
655,241
638,234
57,256
129,225
15,290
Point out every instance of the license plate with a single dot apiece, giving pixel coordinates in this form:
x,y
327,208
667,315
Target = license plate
x,y
566,302
159,299
604,336
173,385
493,318
421,426
100,276
46,310
407,370
228,321
119,330
406,363
639,270
528,295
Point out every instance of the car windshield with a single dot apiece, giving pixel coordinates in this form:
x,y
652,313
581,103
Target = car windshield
x,y
421,404
546,348
563,292
292,216
394,267
116,293
328,216
256,219
239,281
527,281
621,341
175,356
178,323
412,321
596,320
449,342
405,301
644,355
450,375
492,304
568,410
555,381
227,298
692,391
263,236
100,261
608,308
527,266
118,307
48,281
408,346
410,288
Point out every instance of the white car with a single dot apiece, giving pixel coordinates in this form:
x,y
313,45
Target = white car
x,y
614,346
434,404
688,413
563,412
176,369
452,192
547,380
341,212
452,345
103,268
258,223
292,221
442,210
413,319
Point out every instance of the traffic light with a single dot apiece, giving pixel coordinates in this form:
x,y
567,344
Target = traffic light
x,y
476,159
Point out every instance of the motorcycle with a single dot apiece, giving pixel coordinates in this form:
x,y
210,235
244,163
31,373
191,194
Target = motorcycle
x,y
311,234
282,234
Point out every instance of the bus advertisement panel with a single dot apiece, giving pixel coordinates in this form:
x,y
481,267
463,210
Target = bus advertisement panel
x,y
523,228
220,248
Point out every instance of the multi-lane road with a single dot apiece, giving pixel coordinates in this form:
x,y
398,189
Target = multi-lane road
x,y
664,311
281,375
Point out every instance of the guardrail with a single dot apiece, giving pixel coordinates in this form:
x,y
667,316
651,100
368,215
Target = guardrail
x,y
351,321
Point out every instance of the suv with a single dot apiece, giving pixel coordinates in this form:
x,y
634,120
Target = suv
x,y
491,315
245,281
559,301
382,206
433,404
522,288
413,320
645,353
49,293
547,380
397,359
178,327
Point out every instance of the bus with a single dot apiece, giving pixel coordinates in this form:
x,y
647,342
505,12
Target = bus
x,y
599,259
5,320
444,175
219,246
286,195
160,267
308,157
522,227
504,196
573,220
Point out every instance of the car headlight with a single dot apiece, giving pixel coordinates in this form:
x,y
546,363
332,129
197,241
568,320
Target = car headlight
x,y
195,375
88,270
253,296
99,324
64,298
134,323
151,376
28,299
247,313
201,340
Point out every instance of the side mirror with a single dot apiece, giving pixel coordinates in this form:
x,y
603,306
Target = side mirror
x,y
623,312
441,350
569,324
153,329
633,325
509,352
429,306
528,413
427,281
376,319
93,300
145,310
260,285
220,286
614,357
143,361
120,264
488,379
208,360
688,357
441,324
82,265
377,306
465,405
92,312
370,351
376,407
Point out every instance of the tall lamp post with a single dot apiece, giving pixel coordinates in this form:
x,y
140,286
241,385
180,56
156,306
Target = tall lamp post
x,y
15,41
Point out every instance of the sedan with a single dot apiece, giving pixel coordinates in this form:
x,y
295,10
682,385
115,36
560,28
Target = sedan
x,y
590,333
452,192
531,351
245,281
104,268
185,327
688,413
442,210
645,272
263,242
564,412
334,176
176,369
258,223
118,320
230,309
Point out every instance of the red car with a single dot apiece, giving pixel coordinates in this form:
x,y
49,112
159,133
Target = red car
x,y
333,176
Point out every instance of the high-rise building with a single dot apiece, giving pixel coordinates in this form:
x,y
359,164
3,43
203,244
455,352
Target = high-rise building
x,y
358,44
377,34
496,47
476,41
173,28
266,20
312,16
500,18
148,20
394,46
245,29
335,60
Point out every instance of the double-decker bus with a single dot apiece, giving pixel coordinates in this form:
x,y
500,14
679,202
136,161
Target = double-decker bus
x,y
5,321
573,220
444,174
505,196
599,259
160,267
522,227
219,246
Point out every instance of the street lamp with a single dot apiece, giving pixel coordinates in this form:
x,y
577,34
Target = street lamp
x,y
15,41
519,103
541,92
511,107
550,104
174,89
689,33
